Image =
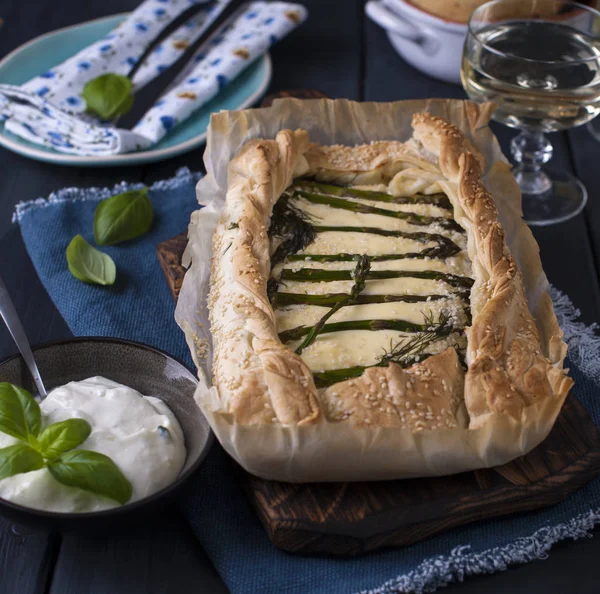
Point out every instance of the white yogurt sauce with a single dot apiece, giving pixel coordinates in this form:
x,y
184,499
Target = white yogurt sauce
x,y
139,433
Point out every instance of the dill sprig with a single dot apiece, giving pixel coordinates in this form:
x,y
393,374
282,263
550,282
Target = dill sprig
x,y
360,273
291,224
405,352
408,349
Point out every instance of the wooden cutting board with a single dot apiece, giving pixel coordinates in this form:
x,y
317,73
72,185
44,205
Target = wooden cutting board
x,y
355,518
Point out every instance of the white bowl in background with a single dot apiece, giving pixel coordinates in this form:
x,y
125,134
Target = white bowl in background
x,y
426,42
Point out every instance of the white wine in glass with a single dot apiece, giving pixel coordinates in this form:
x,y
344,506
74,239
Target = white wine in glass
x,y
539,60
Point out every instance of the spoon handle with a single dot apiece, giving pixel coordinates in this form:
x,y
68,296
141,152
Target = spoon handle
x,y
13,323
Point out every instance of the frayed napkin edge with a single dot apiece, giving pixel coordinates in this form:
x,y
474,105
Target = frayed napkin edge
x,y
182,175
441,571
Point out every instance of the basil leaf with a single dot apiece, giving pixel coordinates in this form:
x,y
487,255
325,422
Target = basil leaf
x,y
93,472
88,264
122,217
109,95
19,458
63,436
20,414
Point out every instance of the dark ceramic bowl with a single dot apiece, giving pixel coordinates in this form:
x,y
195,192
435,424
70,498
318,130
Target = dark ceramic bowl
x,y
144,368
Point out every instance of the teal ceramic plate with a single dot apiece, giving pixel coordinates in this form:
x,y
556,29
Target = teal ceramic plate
x,y
50,49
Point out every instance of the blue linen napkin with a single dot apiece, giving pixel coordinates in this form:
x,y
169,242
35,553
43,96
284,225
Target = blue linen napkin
x,y
140,307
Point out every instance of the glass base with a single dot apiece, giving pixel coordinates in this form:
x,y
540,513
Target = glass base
x,y
554,197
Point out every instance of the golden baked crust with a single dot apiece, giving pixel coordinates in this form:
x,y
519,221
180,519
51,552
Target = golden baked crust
x,y
506,369
262,381
428,395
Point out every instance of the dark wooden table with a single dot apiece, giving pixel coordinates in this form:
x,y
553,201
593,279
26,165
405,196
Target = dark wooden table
x,y
339,52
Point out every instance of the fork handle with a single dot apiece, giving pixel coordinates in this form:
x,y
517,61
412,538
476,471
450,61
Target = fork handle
x,y
13,323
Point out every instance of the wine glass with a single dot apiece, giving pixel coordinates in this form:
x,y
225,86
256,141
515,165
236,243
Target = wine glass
x,y
539,61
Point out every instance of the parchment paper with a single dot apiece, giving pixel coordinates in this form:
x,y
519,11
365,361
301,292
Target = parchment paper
x,y
334,451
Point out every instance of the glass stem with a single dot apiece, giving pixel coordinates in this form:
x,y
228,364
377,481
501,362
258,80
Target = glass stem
x,y
530,150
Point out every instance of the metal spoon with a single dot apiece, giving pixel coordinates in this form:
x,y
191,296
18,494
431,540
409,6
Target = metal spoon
x,y
13,323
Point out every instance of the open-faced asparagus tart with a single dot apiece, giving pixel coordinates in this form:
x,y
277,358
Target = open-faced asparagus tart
x,y
353,292
371,287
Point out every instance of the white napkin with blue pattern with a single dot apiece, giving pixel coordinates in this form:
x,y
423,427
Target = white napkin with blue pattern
x,y
49,110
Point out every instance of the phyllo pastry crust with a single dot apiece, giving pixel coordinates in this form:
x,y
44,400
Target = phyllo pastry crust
x,y
371,285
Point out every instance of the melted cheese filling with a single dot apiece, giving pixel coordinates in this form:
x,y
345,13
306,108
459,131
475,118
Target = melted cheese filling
x,y
323,215
337,242
342,349
362,347
459,264
428,210
384,286
417,313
